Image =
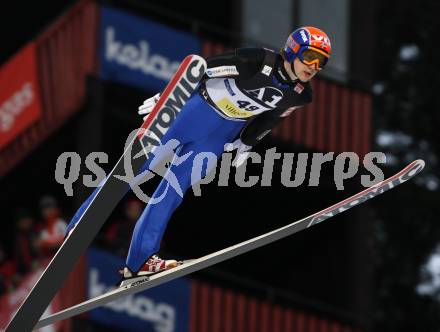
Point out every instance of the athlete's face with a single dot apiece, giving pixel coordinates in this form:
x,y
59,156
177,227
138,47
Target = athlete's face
x,y
303,72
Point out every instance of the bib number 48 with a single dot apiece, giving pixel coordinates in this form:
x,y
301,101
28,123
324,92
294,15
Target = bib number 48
x,y
247,105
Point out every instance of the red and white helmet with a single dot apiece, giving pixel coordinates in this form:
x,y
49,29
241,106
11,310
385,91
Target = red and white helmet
x,y
307,41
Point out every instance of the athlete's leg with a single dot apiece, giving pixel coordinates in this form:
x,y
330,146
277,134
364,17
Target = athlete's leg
x,y
195,111
151,225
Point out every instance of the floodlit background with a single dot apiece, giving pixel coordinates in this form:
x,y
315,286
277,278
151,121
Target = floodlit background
x,y
72,76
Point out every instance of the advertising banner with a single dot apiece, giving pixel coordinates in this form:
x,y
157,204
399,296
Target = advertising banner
x,y
140,52
20,104
161,309
11,301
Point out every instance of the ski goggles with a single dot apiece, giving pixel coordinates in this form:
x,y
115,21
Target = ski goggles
x,y
313,56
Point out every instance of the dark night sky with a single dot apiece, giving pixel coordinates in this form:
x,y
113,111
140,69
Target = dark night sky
x,y
23,21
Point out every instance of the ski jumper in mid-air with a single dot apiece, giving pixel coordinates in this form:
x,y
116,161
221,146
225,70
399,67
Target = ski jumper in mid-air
x,y
242,96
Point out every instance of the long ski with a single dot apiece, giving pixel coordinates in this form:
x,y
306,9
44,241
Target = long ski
x,y
112,191
141,284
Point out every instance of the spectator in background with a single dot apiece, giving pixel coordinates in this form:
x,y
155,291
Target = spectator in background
x,y
25,243
119,232
7,272
53,227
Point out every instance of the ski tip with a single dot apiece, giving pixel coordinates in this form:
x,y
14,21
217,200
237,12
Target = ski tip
x,y
418,165
192,56
421,162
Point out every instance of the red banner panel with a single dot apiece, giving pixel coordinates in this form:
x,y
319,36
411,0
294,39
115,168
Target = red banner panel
x,y
72,292
66,54
20,104
218,309
10,302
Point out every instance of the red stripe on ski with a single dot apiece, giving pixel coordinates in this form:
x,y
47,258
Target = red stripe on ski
x,y
362,193
164,96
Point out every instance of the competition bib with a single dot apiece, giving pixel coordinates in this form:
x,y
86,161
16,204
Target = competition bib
x,y
234,103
